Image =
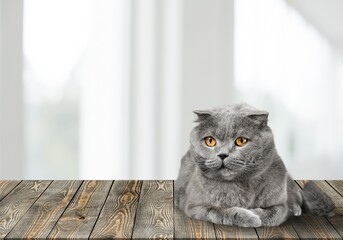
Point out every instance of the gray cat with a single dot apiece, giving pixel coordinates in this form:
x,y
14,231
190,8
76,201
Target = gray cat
x,y
233,175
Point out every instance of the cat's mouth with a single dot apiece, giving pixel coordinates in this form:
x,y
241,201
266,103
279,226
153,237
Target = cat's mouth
x,y
222,167
216,165
231,166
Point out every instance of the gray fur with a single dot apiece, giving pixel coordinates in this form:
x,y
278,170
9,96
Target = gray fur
x,y
316,201
250,187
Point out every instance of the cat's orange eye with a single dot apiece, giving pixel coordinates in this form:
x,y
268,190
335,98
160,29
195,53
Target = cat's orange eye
x,y
241,141
210,141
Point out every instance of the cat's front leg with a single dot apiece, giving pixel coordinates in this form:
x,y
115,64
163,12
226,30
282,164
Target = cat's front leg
x,y
228,216
272,216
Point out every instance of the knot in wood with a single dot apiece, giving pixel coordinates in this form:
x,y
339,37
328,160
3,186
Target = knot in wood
x,y
127,197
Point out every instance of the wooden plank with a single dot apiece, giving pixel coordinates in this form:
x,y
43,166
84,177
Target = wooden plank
x,y
284,231
337,220
310,226
337,185
188,228
154,217
314,227
116,219
337,223
6,186
301,183
42,216
80,216
17,202
233,232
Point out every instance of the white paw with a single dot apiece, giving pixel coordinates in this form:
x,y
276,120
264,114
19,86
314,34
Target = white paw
x,y
296,209
246,218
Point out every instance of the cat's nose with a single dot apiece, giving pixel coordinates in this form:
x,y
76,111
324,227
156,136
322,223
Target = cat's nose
x,y
223,156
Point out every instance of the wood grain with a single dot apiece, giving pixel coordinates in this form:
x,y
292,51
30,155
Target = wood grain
x,y
337,185
154,217
134,209
79,218
42,216
232,232
284,231
337,220
17,202
314,227
6,186
301,183
116,219
188,228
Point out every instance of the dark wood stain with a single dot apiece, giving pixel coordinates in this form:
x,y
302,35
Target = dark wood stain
x,y
79,218
116,219
135,209
42,216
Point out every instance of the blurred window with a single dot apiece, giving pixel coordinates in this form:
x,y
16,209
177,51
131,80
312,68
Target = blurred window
x,y
74,64
283,64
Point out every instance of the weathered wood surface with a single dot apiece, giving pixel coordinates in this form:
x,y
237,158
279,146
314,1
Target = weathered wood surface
x,y
6,187
80,216
14,206
135,209
337,220
232,232
284,231
44,213
117,217
155,211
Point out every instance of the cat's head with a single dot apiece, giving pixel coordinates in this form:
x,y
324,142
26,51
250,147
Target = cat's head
x,y
232,142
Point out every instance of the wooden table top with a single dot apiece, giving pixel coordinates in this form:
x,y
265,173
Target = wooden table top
x,y
134,209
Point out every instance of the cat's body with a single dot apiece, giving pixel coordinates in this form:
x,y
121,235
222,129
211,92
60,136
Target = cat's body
x,y
244,185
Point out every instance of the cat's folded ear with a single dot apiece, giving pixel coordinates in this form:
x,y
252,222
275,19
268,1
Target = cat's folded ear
x,y
259,116
202,115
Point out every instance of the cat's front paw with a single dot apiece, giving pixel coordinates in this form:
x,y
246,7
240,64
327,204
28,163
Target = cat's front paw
x,y
296,210
245,218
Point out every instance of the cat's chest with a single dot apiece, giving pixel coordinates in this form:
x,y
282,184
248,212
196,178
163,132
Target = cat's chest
x,y
231,195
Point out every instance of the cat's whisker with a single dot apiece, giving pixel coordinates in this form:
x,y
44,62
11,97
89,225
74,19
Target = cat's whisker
x,y
213,163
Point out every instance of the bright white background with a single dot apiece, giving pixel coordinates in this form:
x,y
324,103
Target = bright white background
x,y
105,89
